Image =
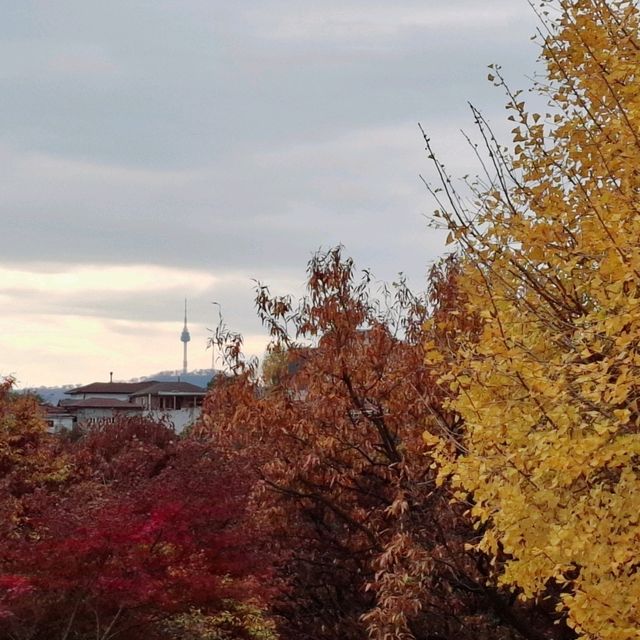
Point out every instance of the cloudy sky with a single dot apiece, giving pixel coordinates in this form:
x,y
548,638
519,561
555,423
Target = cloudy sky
x,y
157,149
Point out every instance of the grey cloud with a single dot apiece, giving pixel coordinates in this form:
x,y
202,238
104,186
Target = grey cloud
x,y
238,136
193,82
269,211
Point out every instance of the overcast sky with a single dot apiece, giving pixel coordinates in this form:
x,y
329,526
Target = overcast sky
x,y
155,150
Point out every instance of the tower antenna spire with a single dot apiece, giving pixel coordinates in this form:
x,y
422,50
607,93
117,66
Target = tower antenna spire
x,y
184,338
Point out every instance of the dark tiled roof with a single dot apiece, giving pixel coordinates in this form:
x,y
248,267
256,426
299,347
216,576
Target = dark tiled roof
x,y
111,387
169,388
50,410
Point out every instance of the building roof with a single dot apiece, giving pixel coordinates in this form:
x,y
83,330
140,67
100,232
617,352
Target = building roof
x,y
154,388
117,388
51,410
100,403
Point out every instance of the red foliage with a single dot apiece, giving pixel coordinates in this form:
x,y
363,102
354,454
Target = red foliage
x,y
144,527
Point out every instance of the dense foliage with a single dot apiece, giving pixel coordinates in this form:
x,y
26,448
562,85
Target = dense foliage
x,y
549,389
463,464
115,532
364,541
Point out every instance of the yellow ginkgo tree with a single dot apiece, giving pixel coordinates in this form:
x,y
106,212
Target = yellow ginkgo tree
x,y
549,390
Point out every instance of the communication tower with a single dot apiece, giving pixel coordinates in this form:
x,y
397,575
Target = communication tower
x,y
184,338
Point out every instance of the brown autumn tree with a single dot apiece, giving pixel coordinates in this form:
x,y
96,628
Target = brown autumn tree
x,y
365,543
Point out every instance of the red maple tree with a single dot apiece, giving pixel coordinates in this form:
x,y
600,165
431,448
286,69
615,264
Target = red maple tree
x,y
142,527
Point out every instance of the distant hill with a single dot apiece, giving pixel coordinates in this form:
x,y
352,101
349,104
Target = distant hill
x,y
51,395
199,377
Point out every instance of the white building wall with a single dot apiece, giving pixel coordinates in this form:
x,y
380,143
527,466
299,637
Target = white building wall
x,y
181,418
59,423
94,414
